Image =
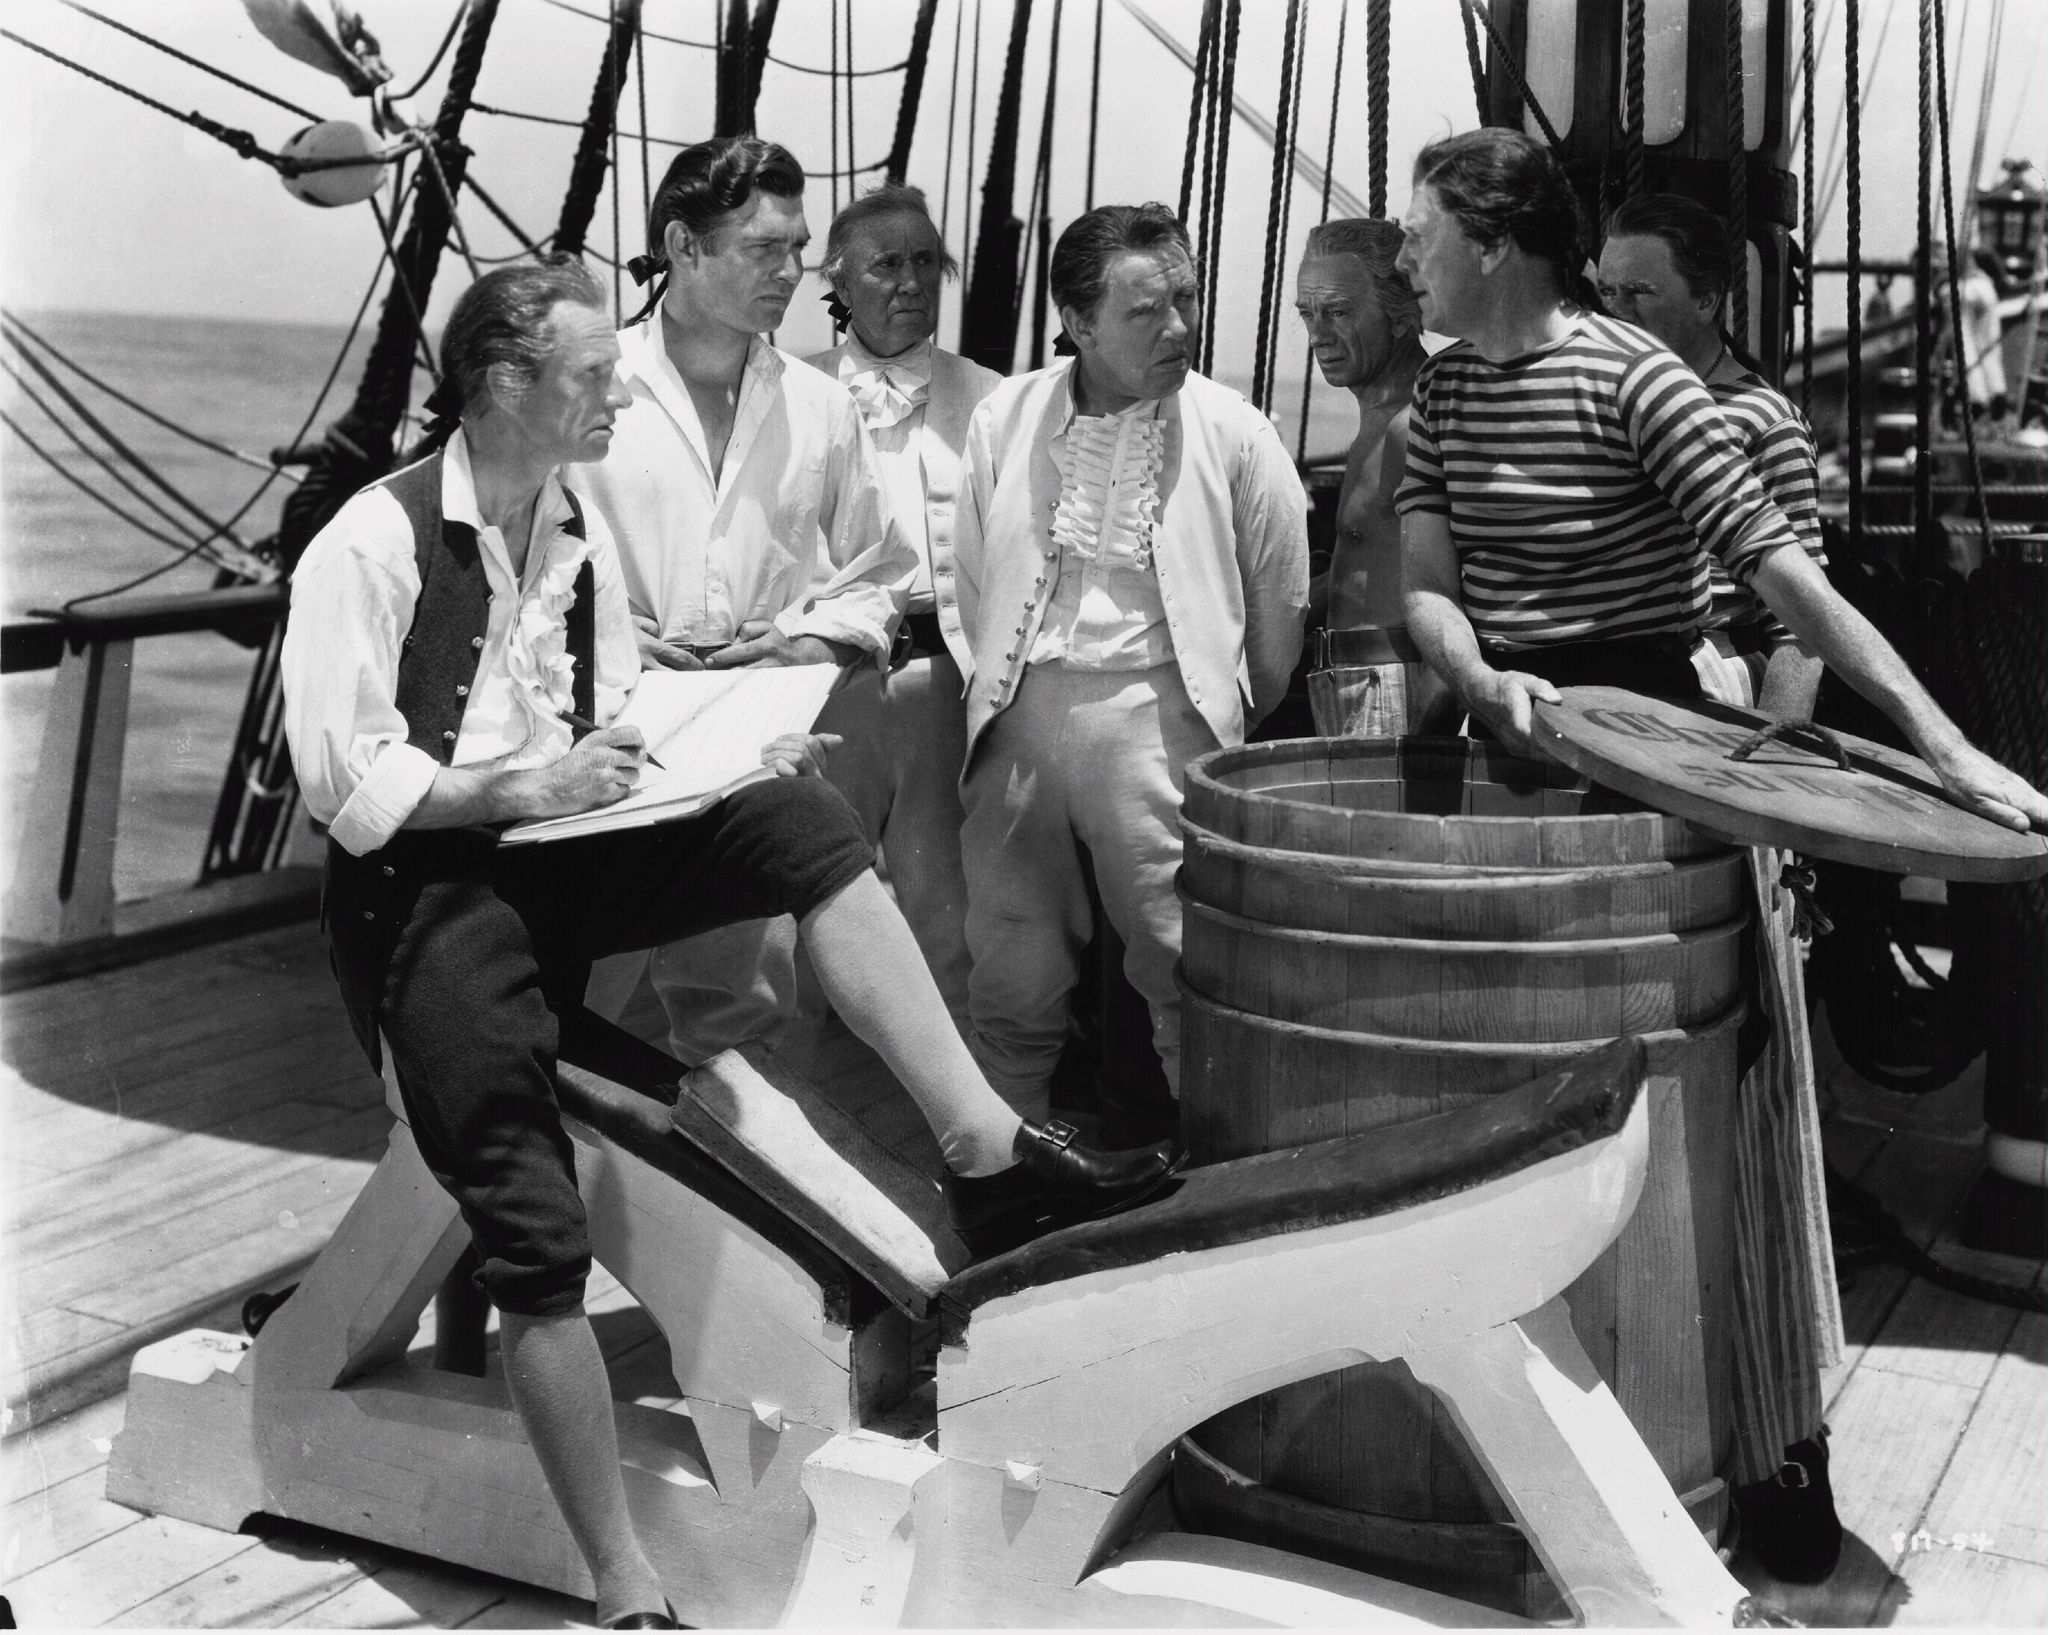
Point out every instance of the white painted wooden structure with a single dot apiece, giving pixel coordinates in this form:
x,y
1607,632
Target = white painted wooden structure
x,y
809,1483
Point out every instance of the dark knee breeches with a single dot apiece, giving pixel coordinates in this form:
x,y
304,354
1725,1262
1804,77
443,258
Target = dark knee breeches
x,y
459,951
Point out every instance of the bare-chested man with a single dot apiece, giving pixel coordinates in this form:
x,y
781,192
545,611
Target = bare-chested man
x,y
1363,321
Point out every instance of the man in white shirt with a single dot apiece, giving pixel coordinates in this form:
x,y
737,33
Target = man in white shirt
x,y
1131,571
751,524
453,629
905,729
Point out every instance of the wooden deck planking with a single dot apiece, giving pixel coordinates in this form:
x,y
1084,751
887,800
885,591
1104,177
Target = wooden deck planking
x,y
1944,1589
1997,1483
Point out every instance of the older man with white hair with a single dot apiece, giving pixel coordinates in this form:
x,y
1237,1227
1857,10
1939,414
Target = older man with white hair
x,y
905,728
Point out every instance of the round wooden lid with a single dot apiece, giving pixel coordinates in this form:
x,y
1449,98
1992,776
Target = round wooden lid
x,y
1886,810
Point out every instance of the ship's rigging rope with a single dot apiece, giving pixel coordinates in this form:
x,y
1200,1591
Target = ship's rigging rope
x,y
1308,351
967,239
593,149
440,51
1278,200
1955,279
1094,106
1473,61
898,163
1378,61
1852,139
242,142
1632,48
170,50
726,45
183,527
16,321
1221,122
1806,65
1738,170
1038,216
1836,168
1205,43
952,123
1498,52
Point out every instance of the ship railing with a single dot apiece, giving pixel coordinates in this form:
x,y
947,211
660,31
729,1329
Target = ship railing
x,y
63,888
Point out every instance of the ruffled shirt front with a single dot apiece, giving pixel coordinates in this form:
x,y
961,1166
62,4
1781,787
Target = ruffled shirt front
x,y
1106,611
888,390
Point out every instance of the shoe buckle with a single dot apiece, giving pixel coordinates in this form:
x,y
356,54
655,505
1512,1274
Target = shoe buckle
x,y
1797,1479
1057,1133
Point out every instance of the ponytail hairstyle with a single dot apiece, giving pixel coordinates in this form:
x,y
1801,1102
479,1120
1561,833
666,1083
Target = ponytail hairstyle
x,y
1500,185
703,185
1698,242
502,321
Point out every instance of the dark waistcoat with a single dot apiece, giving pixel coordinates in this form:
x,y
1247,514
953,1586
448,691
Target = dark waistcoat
x,y
368,899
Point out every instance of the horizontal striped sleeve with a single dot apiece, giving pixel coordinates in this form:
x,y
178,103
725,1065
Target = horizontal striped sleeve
x,y
1692,454
1780,450
1422,483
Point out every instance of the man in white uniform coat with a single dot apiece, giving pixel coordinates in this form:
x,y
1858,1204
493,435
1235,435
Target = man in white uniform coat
x,y
1131,569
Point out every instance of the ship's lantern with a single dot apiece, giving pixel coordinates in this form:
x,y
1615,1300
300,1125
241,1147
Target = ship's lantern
x,y
348,163
2009,220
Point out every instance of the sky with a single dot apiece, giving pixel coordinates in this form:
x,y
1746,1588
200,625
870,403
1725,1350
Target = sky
x,y
115,207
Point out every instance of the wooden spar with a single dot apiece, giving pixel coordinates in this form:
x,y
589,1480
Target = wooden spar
x,y
988,314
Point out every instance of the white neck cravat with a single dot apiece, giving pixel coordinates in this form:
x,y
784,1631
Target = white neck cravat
x,y
888,390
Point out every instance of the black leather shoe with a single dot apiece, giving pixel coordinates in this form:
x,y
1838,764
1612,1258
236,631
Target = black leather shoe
x,y
664,1619
1054,1183
1788,1520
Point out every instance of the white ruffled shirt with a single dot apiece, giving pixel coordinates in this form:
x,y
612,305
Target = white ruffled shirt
x,y
353,598
1106,611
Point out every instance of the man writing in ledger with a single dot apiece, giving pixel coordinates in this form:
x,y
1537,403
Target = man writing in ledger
x,y
446,627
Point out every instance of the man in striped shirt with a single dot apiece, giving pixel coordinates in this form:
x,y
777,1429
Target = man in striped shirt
x,y
1665,268
1567,475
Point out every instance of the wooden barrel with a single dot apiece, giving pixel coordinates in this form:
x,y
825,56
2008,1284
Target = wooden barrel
x,y
1426,800
1425,988
1387,897
1292,1032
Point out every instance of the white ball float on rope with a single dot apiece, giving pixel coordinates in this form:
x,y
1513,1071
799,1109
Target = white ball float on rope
x,y
349,161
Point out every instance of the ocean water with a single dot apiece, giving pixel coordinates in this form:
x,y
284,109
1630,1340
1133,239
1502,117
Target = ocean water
x,y
250,386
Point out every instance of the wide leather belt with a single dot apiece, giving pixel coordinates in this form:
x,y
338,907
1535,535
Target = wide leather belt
x,y
1366,644
918,636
